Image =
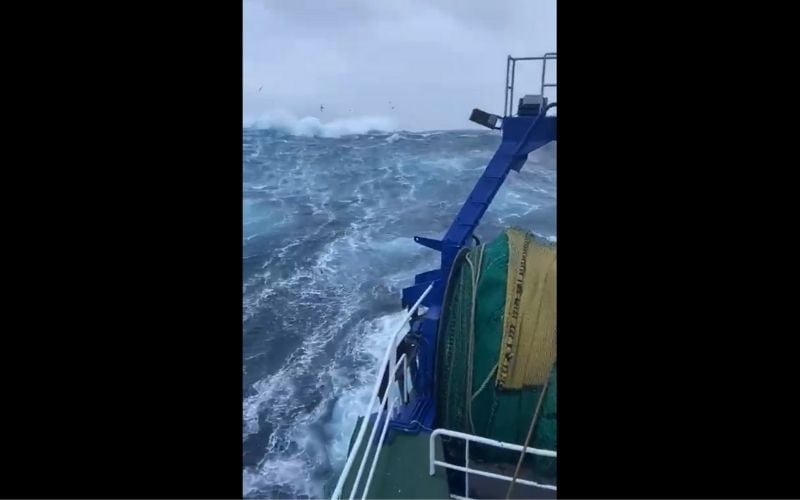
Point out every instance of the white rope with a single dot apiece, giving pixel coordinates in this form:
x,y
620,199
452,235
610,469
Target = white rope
x,y
528,437
485,382
476,276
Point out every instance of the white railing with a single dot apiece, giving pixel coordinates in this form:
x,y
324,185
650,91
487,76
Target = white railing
x,y
466,468
388,359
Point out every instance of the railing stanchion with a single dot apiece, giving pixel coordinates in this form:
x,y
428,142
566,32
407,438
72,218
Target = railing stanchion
x,y
466,474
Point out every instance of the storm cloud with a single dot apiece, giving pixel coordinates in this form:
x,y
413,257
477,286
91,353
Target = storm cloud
x,y
422,64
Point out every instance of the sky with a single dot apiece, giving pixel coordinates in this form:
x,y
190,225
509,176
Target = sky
x,y
422,64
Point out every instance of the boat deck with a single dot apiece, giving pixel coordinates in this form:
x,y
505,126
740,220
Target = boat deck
x,y
402,473
402,469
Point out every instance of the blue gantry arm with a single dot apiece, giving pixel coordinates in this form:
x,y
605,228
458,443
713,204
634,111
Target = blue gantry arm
x,y
521,136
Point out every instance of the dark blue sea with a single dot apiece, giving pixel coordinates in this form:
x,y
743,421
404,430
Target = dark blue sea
x,y
329,217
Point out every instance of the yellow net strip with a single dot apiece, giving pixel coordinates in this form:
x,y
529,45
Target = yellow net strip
x,y
528,346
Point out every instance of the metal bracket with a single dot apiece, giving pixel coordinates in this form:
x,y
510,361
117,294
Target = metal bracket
x,y
429,242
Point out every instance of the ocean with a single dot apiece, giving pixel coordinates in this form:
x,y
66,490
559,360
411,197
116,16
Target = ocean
x,y
329,216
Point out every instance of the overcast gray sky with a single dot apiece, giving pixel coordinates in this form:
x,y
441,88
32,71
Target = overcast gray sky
x,y
434,60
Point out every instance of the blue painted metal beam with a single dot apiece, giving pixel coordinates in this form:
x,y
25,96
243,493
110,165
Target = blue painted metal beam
x,y
521,136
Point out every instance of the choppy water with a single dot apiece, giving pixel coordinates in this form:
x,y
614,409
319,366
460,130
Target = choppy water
x,y
328,227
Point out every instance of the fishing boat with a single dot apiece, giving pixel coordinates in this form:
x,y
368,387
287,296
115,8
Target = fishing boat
x,y
464,404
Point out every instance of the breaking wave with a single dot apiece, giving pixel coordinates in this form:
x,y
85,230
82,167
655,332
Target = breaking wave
x,y
311,126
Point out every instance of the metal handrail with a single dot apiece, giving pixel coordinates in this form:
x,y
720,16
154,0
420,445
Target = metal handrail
x,y
374,429
511,67
491,442
388,360
377,451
